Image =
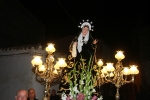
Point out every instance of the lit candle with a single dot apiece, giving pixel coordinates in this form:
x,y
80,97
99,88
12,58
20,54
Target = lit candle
x,y
50,48
133,69
126,71
111,74
42,68
100,62
36,61
56,66
104,71
119,56
61,62
55,71
110,67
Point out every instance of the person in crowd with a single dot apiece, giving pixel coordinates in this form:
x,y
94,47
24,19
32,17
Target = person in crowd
x,y
31,94
21,95
54,96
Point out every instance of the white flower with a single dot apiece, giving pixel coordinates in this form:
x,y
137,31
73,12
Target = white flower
x,y
89,97
93,90
75,89
63,96
71,95
81,82
100,98
86,92
89,93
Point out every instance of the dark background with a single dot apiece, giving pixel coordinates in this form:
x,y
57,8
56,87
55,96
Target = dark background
x,y
113,21
118,25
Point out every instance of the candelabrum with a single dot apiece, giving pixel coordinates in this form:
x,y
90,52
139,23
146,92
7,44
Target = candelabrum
x,y
49,71
116,75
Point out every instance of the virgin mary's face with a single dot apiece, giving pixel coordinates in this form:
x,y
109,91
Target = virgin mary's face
x,y
85,31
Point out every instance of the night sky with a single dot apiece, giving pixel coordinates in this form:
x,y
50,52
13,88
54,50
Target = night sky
x,y
113,20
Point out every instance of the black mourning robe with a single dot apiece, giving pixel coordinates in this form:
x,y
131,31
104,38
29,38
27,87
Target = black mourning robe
x,y
88,52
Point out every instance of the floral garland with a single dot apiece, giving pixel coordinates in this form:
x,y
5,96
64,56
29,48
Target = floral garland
x,y
82,89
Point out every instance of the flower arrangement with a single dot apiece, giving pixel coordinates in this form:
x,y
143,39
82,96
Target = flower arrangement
x,y
81,83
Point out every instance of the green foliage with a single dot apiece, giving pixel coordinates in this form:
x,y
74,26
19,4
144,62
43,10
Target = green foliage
x,y
81,79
